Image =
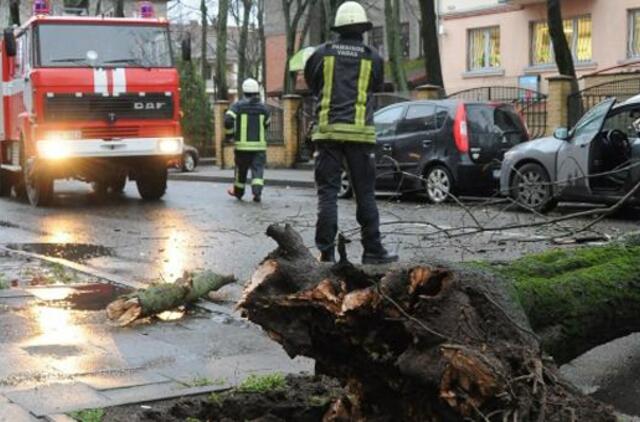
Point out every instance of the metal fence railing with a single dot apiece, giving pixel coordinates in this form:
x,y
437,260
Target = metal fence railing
x,y
532,105
581,102
275,132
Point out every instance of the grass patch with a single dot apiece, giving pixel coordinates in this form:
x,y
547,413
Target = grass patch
x,y
204,381
263,383
192,419
4,283
88,415
60,274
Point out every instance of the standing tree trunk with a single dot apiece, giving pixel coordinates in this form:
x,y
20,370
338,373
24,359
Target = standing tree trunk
x,y
263,45
247,5
392,24
430,44
222,91
98,8
14,12
119,8
203,38
292,22
562,52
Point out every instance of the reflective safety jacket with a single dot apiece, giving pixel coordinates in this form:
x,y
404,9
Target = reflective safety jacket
x,y
343,75
247,121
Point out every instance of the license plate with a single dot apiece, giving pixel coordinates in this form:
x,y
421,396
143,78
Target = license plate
x,y
496,174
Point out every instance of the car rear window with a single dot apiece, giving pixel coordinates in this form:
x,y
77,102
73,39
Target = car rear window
x,y
483,119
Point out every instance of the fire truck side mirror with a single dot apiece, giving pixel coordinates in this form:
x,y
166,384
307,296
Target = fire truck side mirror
x,y
9,42
186,49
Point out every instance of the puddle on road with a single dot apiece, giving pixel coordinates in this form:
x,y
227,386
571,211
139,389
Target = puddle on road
x,y
84,297
77,252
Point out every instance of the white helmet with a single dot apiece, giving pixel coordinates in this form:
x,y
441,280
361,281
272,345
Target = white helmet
x,y
351,13
250,86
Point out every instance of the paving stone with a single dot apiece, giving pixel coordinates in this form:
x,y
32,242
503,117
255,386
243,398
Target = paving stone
x,y
118,381
10,412
58,398
143,392
14,293
18,368
59,418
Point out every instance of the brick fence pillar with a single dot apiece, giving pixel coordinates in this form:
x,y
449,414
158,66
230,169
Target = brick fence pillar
x,y
220,107
429,92
290,106
557,102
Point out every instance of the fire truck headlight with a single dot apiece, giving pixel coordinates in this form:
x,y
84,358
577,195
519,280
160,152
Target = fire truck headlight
x,y
53,149
170,146
66,135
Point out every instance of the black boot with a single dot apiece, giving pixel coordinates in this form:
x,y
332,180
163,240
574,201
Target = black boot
x,y
328,256
381,256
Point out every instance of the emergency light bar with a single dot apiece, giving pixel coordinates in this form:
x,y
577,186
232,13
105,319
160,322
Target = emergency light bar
x,y
40,7
146,9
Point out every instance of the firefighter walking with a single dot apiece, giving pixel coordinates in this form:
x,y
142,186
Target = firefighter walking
x,y
343,75
247,121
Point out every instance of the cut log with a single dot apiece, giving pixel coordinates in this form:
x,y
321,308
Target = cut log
x,y
165,297
416,342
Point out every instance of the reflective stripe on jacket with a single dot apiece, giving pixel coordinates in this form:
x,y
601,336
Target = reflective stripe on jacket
x,y
343,76
247,121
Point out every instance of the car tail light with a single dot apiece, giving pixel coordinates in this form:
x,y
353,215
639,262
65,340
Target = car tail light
x,y
460,130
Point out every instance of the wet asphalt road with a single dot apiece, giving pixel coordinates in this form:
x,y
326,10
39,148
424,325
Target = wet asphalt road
x,y
198,226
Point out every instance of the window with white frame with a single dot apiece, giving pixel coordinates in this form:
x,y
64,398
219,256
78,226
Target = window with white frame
x,y
578,31
483,48
405,39
634,34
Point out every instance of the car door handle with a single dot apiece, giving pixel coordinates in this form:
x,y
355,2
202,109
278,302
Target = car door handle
x,y
427,143
387,148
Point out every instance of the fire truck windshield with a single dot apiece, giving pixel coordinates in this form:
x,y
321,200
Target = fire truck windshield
x,y
82,45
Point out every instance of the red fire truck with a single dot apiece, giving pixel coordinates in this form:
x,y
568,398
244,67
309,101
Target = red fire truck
x,y
90,98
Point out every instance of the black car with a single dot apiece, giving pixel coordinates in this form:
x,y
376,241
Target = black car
x,y
443,147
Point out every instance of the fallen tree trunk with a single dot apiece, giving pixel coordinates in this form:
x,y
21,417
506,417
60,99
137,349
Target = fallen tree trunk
x,y
165,297
429,341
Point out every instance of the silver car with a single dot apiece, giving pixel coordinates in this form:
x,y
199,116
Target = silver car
x,y
597,161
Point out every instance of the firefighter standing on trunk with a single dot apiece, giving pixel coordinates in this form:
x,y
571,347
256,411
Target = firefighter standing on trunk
x,y
343,75
247,121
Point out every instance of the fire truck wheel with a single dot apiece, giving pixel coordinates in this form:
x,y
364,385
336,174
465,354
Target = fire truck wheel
x,y
5,183
39,187
117,184
152,182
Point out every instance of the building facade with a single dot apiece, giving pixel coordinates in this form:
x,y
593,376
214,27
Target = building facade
x,y
507,42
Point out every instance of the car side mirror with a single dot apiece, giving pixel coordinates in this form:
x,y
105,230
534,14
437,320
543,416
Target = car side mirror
x,y
10,42
561,133
186,49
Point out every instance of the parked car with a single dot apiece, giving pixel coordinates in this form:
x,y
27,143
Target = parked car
x,y
452,146
596,161
189,160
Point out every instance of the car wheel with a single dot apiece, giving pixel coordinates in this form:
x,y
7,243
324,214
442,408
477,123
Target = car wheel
x,y
439,184
152,182
39,186
188,162
531,188
346,190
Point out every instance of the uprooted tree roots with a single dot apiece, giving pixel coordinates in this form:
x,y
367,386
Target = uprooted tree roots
x,y
411,342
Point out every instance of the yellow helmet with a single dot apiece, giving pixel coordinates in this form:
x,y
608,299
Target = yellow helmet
x,y
349,14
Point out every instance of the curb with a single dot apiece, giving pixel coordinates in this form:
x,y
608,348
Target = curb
x,y
230,179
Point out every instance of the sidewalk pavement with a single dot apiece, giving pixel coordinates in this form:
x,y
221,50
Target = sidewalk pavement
x,y
295,178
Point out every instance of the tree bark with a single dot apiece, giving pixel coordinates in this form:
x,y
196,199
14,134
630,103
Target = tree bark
x,y
292,23
436,341
203,38
14,12
263,45
222,90
394,47
119,8
430,43
164,297
244,34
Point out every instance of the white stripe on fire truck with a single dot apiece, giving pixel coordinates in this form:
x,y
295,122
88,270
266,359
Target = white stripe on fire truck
x,y
100,84
12,87
119,81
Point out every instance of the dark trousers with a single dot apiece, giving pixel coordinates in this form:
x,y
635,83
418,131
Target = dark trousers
x,y
359,159
245,160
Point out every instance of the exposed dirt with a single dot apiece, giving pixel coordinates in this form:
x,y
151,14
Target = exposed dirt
x,y
305,399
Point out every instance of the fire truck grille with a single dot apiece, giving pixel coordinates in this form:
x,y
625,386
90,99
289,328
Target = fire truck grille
x,y
109,132
66,107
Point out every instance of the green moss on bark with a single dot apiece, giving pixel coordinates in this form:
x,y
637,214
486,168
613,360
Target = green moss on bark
x,y
580,298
